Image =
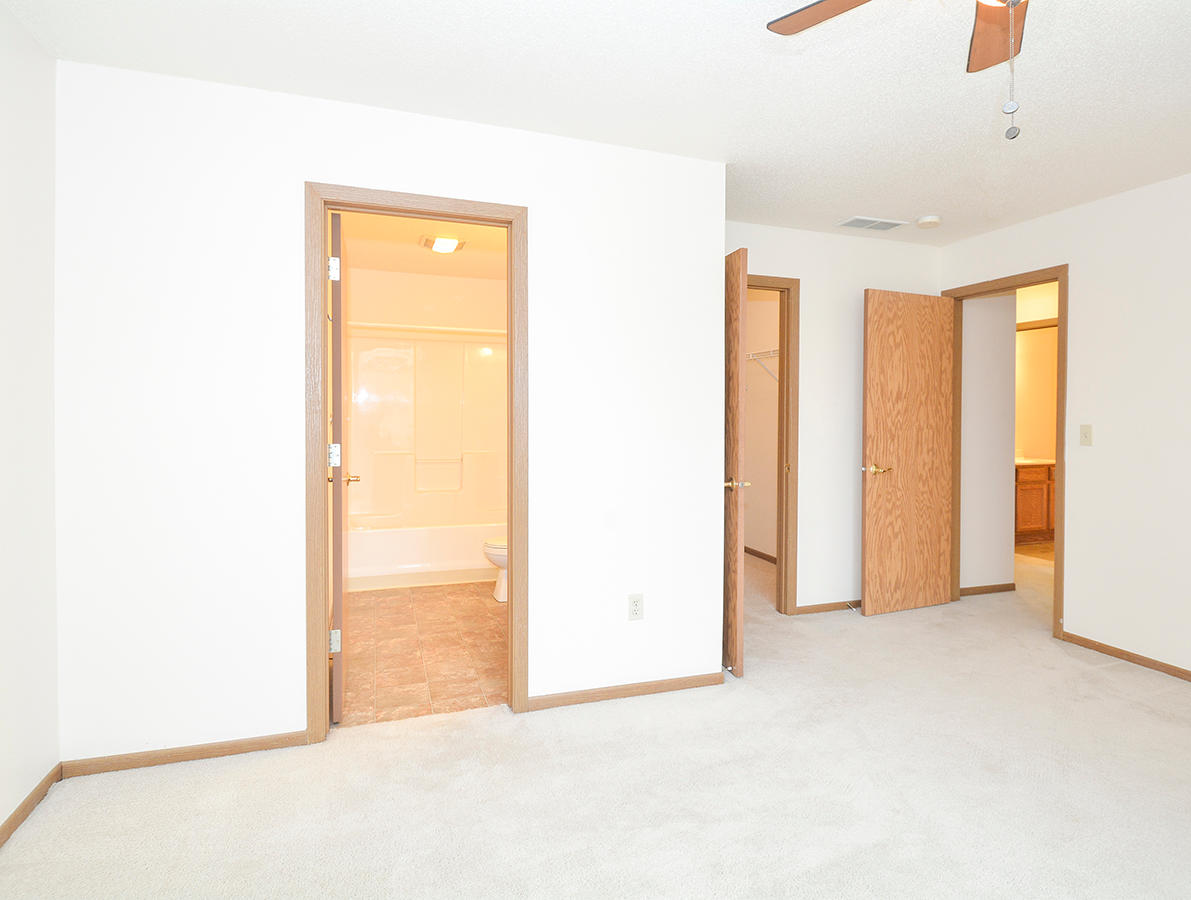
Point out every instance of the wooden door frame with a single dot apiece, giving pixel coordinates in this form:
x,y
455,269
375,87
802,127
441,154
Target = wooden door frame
x,y
320,200
787,437
1057,274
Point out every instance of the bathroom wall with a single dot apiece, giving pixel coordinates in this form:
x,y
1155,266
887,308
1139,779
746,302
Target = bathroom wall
x,y
759,461
29,662
1037,383
180,458
1039,301
1037,373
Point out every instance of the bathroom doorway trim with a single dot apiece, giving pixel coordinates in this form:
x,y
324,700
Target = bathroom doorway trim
x,y
989,289
787,439
322,199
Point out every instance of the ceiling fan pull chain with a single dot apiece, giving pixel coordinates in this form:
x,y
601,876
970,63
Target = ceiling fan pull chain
x,y
1011,107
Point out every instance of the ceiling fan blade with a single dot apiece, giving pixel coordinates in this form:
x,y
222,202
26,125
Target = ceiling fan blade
x,y
990,35
813,14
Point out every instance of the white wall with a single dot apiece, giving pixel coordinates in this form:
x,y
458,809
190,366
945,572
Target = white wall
x,y
759,459
834,271
28,664
180,396
987,488
1037,302
1037,392
1129,316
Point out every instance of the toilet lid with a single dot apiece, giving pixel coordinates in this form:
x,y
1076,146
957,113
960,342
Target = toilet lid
x,y
497,544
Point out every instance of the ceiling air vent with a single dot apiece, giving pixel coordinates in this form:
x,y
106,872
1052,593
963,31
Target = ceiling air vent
x,y
872,224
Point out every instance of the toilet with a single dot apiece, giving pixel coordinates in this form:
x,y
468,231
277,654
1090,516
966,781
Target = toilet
x,y
496,550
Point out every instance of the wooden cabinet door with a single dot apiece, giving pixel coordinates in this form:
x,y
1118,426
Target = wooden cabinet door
x,y
1031,506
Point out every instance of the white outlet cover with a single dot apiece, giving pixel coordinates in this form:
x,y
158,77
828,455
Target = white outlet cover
x,y
636,607
1085,435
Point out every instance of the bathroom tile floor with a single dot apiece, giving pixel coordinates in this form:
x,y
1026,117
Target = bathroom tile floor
x,y
416,651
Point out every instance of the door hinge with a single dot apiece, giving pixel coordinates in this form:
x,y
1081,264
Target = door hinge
x,y
336,640
333,268
334,456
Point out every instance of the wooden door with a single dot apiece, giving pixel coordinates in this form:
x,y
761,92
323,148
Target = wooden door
x,y
735,302
338,484
909,359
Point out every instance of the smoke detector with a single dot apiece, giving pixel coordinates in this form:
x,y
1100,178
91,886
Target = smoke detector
x,y
929,221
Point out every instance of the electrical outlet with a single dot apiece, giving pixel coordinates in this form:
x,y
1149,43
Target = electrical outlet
x,y
636,607
1085,435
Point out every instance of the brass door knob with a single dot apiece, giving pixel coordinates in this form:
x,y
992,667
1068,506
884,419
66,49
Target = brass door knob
x,y
350,478
732,485
876,470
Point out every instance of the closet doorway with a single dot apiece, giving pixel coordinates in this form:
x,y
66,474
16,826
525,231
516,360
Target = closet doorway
x,y
770,453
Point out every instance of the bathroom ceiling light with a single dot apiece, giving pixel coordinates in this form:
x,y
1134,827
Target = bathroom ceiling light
x,y
929,221
442,244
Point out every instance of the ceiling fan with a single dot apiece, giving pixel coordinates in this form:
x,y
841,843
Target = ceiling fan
x,y
990,35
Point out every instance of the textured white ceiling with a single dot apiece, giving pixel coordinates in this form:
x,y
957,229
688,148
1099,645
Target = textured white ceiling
x,y
869,114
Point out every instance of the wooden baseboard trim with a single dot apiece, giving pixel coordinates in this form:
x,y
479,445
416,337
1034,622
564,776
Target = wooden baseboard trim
x,y
1126,655
757,553
821,607
21,813
987,589
616,691
96,764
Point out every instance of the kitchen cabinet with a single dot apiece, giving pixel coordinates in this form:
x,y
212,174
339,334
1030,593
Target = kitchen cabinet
x,y
1035,508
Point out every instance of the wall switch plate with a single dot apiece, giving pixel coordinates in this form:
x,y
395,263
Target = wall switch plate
x,y
636,607
1085,435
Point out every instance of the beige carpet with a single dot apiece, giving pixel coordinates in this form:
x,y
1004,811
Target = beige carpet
x,y
957,751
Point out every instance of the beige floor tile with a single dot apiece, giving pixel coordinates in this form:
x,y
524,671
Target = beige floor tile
x,y
442,690
390,648
450,670
393,713
403,675
397,633
357,716
401,695
493,683
397,642
446,625
457,704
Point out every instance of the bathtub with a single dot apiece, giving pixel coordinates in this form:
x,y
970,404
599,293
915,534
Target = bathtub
x,y
381,554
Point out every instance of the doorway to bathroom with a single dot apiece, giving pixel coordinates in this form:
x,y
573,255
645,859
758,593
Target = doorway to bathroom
x,y
1009,447
416,314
